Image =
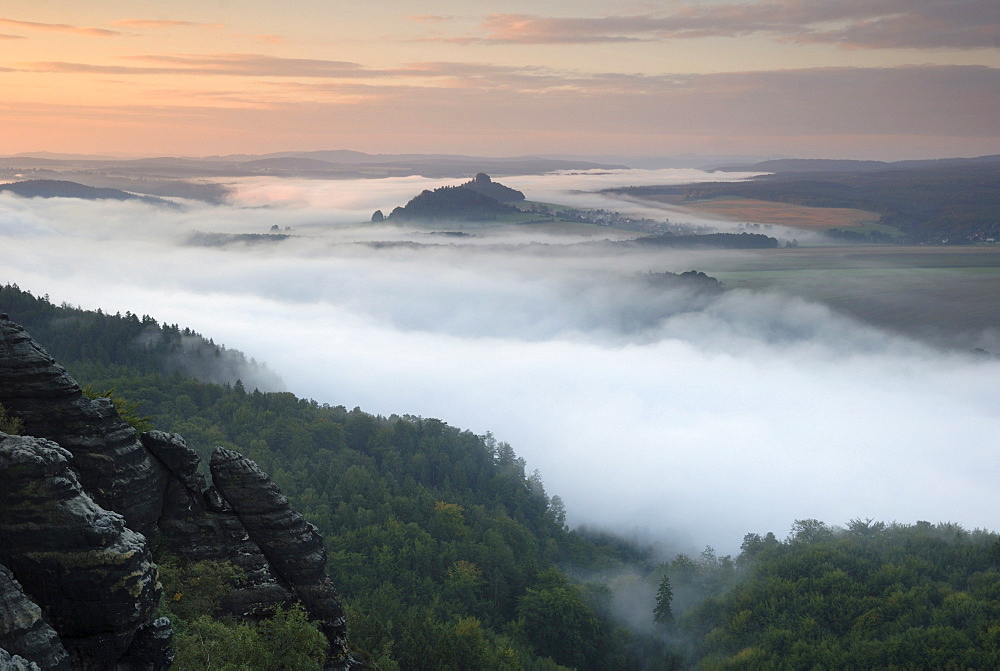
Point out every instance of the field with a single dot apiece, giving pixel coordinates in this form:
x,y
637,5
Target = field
x,y
946,295
783,214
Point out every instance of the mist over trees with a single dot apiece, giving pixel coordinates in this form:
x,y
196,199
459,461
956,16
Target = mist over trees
x,y
82,338
55,188
448,554
653,397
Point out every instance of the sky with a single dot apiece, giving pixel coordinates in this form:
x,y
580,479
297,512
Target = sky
x,y
885,79
688,420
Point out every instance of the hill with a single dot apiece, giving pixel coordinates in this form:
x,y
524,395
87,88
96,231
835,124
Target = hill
x,y
849,165
486,186
471,203
54,188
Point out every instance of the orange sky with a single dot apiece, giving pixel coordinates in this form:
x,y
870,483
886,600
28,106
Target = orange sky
x,y
882,79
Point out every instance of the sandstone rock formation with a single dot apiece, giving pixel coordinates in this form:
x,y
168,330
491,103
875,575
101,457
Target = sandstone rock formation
x,y
92,577
15,662
292,546
28,635
198,524
78,586
112,465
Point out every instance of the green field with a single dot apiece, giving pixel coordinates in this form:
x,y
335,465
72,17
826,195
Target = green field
x,y
948,295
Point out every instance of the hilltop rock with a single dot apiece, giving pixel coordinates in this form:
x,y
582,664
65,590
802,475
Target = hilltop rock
x,y
483,184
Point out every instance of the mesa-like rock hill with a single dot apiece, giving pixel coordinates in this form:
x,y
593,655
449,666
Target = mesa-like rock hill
x,y
80,497
476,200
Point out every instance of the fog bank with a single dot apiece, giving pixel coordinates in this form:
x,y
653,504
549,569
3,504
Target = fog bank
x,y
693,417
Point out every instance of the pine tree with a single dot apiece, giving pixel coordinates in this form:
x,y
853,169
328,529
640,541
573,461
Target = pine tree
x,y
664,597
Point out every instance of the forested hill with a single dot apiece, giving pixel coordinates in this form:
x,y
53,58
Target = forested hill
x,y
486,186
56,188
84,339
448,554
476,200
800,165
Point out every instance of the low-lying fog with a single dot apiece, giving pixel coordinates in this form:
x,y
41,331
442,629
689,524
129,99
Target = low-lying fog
x,y
692,418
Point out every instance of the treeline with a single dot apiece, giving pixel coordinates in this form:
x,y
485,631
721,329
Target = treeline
x,y
718,240
957,203
871,595
82,339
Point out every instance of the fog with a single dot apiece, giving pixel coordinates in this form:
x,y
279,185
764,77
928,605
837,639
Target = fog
x,y
686,417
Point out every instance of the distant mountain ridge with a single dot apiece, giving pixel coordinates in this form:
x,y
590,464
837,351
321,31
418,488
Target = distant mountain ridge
x,y
56,188
783,165
337,163
204,178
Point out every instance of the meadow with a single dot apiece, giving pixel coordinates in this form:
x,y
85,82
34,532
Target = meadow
x,y
783,214
947,295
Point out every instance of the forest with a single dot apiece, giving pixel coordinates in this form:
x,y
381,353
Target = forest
x,y
449,554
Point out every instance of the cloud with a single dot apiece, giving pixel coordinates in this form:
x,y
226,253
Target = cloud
x,y
241,65
919,24
259,65
163,23
429,18
270,39
479,108
59,28
954,100
695,418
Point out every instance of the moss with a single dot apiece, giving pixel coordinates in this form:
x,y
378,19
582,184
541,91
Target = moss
x,y
10,424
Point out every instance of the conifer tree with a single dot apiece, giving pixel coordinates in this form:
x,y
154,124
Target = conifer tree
x,y
664,598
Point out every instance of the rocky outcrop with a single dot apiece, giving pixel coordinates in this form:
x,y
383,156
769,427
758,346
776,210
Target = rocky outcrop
x,y
23,632
292,546
76,498
16,663
113,467
93,577
198,524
